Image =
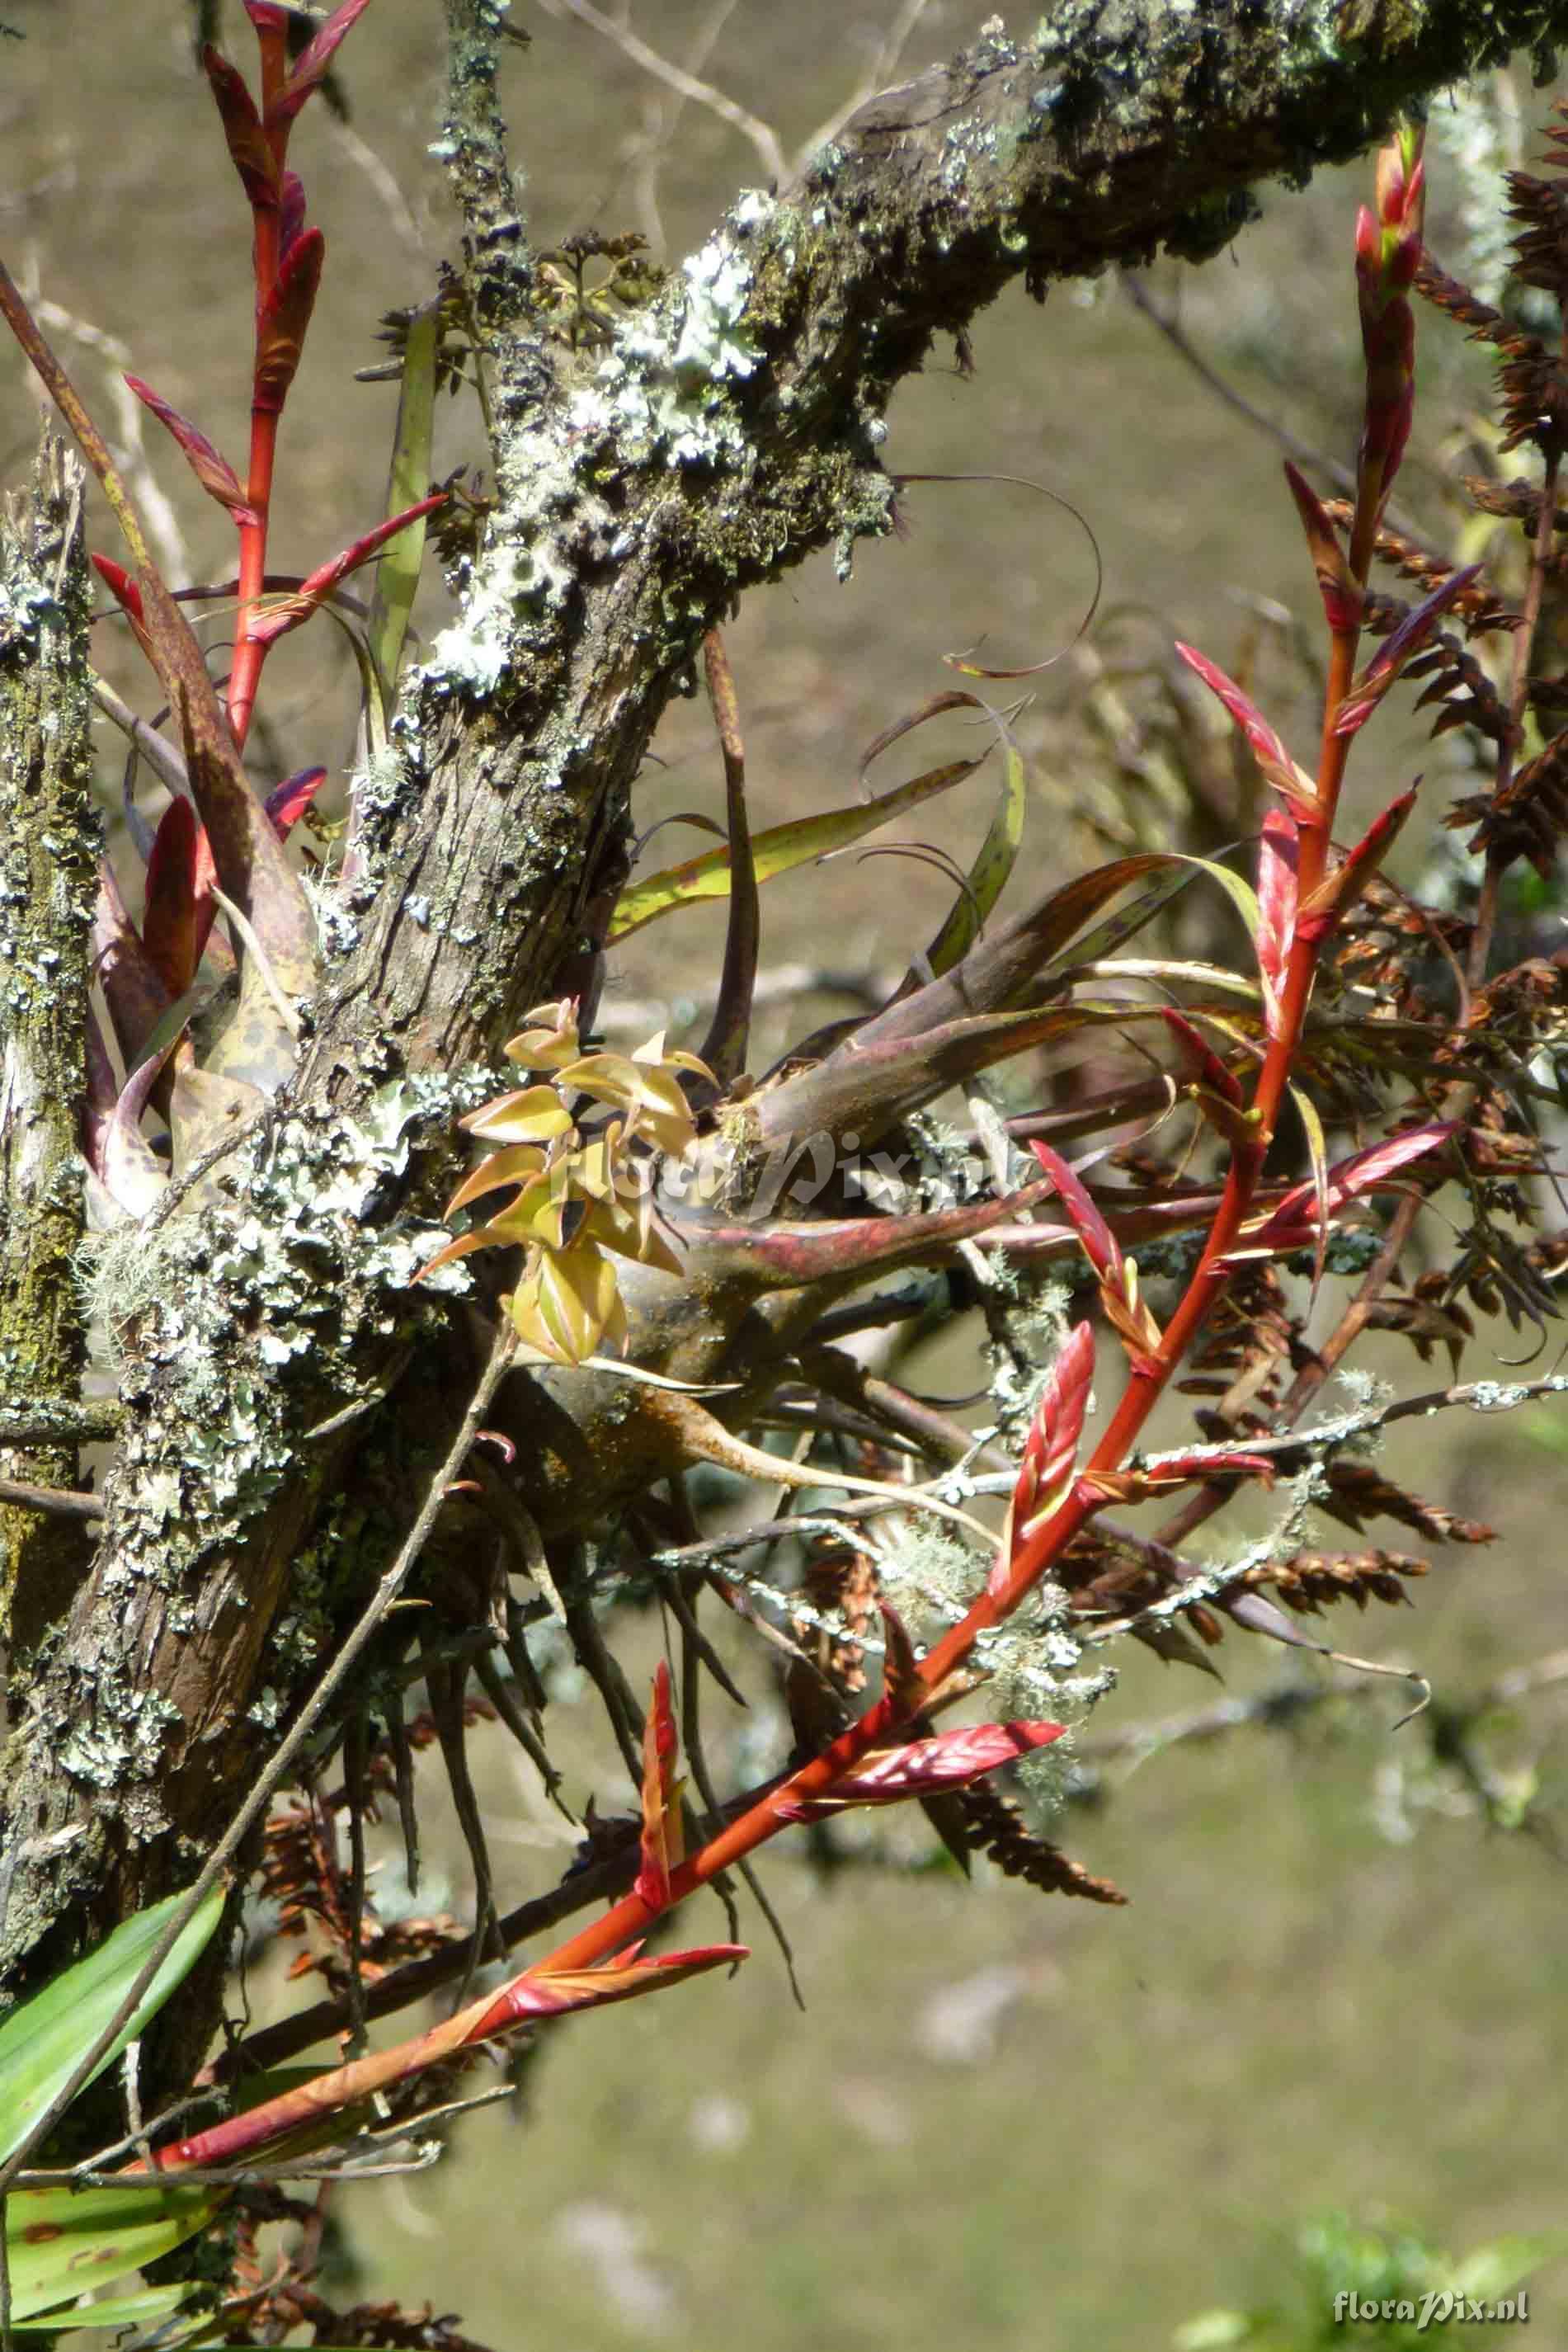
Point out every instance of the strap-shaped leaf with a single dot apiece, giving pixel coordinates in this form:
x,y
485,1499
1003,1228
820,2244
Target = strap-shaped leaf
x,y
61,2241
42,2039
775,851
988,874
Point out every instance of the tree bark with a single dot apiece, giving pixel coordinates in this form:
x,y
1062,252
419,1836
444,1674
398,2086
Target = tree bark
x,y
48,847
732,430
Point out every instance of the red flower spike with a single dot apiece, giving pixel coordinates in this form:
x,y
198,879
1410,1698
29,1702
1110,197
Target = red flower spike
x,y
1278,857
1336,582
1387,253
1398,648
662,1844
924,1767
1050,1451
170,924
279,619
251,155
1100,1244
310,66
1318,916
552,1992
211,468
288,800
1267,745
282,319
267,15
1207,1069
1294,1225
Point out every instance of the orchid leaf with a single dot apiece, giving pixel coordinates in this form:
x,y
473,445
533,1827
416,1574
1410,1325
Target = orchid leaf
x,y
148,2307
45,2036
61,2241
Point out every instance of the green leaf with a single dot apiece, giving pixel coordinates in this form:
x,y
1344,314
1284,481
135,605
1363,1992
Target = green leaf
x,y
43,2039
775,851
137,2310
1318,1153
988,874
61,2242
1241,895
408,481
1118,929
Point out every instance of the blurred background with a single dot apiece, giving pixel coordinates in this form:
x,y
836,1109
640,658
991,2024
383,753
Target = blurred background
x,y
1337,1988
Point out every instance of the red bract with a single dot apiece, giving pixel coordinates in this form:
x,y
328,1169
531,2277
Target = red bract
x,y
211,468
288,800
1176,1470
291,211
135,996
170,919
1336,582
1278,857
551,1992
1398,648
1387,254
311,66
1294,1223
924,1767
1050,1451
127,596
1209,1071
282,319
1316,916
1100,1244
248,146
313,592
662,1844
1267,746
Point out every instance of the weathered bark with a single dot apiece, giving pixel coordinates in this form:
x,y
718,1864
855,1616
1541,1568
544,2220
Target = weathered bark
x,y
733,429
48,848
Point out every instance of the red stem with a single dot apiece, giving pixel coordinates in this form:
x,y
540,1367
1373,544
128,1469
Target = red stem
x,y
244,676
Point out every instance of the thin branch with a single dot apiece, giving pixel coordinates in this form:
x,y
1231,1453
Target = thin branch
x,y
55,1499
686,85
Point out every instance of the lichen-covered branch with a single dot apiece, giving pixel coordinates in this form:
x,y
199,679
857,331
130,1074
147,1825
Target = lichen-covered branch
x,y
48,848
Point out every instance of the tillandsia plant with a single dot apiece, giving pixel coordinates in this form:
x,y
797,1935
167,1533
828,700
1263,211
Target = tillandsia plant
x,y
685,1247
